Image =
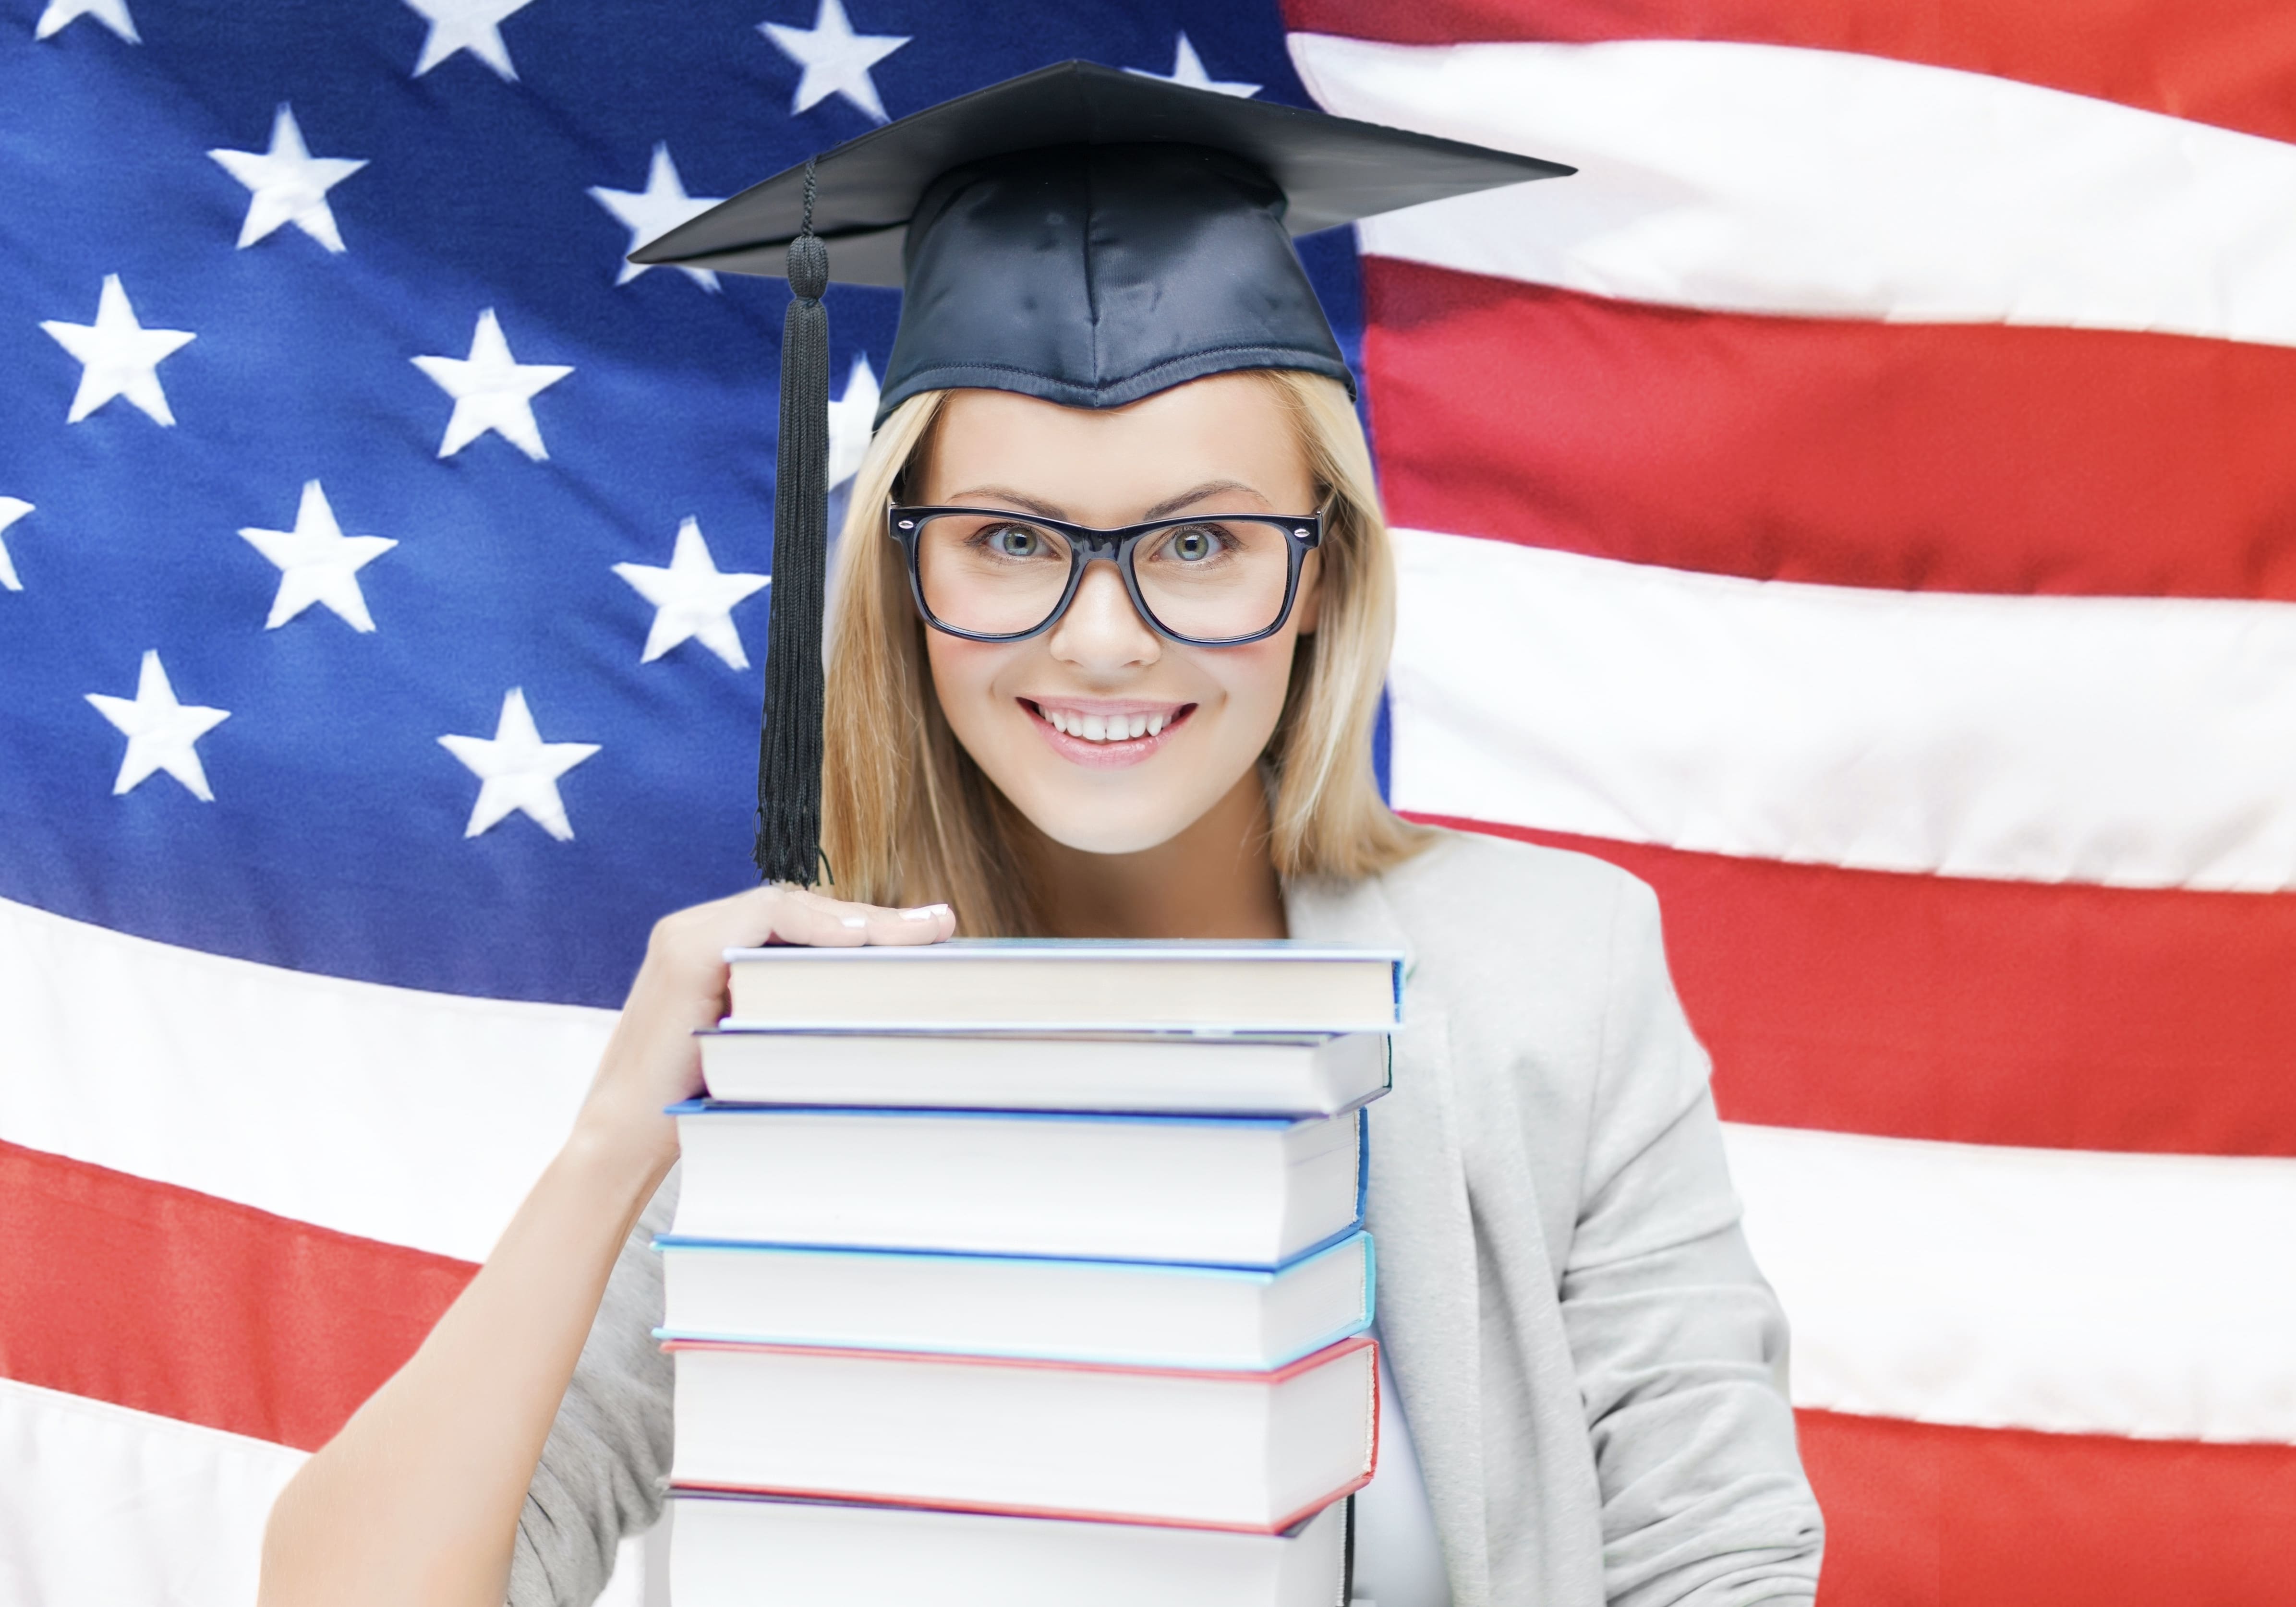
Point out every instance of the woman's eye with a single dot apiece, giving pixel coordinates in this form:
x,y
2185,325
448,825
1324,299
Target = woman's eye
x,y
1015,542
1193,546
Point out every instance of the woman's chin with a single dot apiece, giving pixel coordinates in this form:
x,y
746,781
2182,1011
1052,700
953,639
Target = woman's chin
x,y
1089,825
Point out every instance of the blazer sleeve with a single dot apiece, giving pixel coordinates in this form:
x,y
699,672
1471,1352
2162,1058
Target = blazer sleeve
x,y
603,1468
1678,1344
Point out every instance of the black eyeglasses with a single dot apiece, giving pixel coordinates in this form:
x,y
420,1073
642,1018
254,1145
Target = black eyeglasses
x,y
1216,580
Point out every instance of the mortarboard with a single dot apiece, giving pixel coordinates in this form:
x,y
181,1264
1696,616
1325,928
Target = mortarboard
x,y
1079,234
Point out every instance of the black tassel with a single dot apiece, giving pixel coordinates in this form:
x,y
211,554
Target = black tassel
x,y
789,745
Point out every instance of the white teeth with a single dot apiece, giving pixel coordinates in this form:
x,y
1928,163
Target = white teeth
x,y
1102,727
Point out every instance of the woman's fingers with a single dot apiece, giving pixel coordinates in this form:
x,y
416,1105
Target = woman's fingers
x,y
796,915
811,917
654,1060
927,923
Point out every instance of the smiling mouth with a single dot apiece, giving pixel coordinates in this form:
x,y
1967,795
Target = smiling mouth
x,y
1110,727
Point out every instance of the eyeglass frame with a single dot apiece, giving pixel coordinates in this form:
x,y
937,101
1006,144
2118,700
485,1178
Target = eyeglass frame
x,y
1087,545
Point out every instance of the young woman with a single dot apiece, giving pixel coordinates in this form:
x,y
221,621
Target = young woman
x,y
1587,1368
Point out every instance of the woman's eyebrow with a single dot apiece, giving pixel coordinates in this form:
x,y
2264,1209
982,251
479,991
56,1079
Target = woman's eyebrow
x,y
1209,489
1023,500
1005,493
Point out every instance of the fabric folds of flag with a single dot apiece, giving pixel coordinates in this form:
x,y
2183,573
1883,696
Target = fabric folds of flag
x,y
1860,505
384,570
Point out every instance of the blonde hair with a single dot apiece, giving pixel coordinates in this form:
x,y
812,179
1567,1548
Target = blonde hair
x,y
907,818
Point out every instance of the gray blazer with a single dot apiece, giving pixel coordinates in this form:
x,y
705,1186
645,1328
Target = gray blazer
x,y
1592,1369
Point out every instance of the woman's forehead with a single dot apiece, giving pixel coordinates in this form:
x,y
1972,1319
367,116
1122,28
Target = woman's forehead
x,y
1228,433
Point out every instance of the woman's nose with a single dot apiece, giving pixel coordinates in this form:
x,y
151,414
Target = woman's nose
x,y
1101,631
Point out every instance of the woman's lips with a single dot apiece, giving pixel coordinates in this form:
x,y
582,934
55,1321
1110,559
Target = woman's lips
x,y
1077,744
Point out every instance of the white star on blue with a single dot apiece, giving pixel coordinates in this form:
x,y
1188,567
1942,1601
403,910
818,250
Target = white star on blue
x,y
336,404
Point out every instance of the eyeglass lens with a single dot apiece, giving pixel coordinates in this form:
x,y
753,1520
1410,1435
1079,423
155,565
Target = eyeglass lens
x,y
998,575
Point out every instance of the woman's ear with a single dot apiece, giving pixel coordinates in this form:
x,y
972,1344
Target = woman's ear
x,y
1308,607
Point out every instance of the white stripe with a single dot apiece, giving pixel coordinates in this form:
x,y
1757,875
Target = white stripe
x,y
101,1506
1767,179
2063,1289
2134,742
416,1118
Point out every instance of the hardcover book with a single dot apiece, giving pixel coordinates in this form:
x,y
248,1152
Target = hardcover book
x,y
1127,1312
1225,1191
1206,1074
820,1553
1249,1451
1184,983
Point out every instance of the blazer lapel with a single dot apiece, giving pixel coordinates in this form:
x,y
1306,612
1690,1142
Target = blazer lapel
x,y
1416,1209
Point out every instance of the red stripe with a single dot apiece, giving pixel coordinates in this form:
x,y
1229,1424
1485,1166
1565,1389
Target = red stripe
x,y
2230,62
1921,1006
152,1296
1952,457
1918,1516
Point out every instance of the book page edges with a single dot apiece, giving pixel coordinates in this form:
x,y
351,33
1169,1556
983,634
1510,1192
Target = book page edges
x,y
1329,1356
927,1504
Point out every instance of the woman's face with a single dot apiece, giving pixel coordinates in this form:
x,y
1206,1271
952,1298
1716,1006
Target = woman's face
x,y
1217,445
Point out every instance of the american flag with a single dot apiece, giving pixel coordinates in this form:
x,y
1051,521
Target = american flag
x,y
1862,502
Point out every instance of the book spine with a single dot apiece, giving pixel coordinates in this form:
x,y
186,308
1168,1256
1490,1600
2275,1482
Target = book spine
x,y
1363,1166
1370,1281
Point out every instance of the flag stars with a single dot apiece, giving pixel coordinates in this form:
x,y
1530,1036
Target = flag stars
x,y
472,24
287,184
118,355
692,599
160,732
492,391
1188,70
318,563
518,772
11,509
835,58
852,419
653,212
61,13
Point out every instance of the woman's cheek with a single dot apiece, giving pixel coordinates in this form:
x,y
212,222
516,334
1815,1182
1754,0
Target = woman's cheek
x,y
964,678
1249,686
1256,678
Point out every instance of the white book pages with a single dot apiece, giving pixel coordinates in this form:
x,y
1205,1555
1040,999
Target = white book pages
x,y
1254,1451
1122,1312
748,1552
1222,1074
1238,1192
1122,986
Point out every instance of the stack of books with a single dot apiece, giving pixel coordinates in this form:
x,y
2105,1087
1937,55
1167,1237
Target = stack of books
x,y
1028,1274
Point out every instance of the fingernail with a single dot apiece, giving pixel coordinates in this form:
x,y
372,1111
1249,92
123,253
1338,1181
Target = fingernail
x,y
853,923
925,912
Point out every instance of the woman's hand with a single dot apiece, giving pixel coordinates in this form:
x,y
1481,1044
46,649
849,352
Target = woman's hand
x,y
652,1060
418,1499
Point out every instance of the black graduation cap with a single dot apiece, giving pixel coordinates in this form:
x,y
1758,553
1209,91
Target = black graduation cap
x,y
1079,234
